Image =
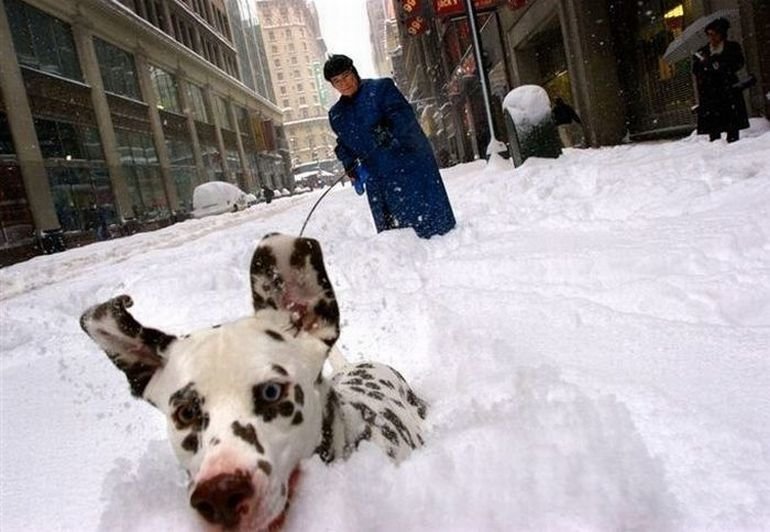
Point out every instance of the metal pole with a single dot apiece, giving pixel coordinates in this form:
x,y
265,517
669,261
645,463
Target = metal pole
x,y
471,11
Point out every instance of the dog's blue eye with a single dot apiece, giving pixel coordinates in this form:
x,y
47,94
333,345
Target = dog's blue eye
x,y
272,391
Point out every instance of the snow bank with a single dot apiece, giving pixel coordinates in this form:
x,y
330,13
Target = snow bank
x,y
592,339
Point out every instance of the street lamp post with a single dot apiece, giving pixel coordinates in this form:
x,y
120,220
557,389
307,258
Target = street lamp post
x,y
471,11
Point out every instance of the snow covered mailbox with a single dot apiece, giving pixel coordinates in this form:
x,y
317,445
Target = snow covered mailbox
x,y
531,132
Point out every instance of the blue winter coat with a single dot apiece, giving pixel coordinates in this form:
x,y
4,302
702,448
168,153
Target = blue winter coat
x,y
377,128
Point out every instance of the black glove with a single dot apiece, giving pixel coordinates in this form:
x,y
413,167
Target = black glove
x,y
382,134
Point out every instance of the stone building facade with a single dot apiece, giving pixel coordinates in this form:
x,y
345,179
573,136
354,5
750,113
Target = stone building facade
x,y
112,112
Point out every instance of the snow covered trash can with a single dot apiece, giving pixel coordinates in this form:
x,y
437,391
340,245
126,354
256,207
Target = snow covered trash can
x,y
531,131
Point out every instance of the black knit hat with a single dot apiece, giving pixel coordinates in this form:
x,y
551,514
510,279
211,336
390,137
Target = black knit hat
x,y
336,65
720,25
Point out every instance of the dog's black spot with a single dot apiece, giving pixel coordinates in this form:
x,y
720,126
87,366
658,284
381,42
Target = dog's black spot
x,y
387,384
358,389
265,467
217,326
152,402
372,385
324,449
399,425
214,441
280,370
190,443
299,395
376,395
297,419
367,413
415,401
354,382
361,373
286,408
389,434
248,434
275,335
365,365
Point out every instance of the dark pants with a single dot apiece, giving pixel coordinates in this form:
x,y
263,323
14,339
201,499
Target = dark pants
x,y
732,135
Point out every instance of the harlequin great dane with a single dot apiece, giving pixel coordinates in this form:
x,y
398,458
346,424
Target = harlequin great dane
x,y
246,401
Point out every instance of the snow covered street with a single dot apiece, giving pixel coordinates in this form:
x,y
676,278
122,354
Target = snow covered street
x,y
593,339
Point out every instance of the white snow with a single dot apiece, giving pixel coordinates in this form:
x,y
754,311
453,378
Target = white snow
x,y
528,105
593,339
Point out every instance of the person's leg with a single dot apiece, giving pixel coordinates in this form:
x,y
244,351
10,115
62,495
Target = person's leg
x,y
714,135
732,135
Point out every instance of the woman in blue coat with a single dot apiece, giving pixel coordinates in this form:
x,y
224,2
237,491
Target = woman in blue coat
x,y
380,143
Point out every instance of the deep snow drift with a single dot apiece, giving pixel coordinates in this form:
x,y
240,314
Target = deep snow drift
x,y
593,338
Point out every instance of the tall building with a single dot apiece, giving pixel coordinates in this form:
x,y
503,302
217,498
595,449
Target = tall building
x,y
111,112
296,53
382,21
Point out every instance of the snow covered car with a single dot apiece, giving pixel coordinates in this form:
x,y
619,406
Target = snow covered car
x,y
217,197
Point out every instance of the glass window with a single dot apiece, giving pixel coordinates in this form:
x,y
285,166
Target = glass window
x,y
62,140
197,104
42,41
164,85
118,69
142,174
222,112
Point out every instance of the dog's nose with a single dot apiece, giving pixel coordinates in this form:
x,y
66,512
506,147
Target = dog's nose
x,y
220,499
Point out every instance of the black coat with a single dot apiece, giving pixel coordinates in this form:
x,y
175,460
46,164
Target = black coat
x,y
721,106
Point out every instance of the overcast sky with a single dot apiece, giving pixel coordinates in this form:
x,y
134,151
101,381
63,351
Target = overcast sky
x,y
345,28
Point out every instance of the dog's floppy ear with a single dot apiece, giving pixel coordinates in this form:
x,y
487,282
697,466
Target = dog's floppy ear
x,y
288,274
136,350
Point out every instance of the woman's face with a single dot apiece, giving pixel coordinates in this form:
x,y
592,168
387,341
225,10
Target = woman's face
x,y
715,38
345,83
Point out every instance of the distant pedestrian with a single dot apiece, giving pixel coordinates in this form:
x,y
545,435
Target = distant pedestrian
x,y
385,152
720,105
568,123
268,194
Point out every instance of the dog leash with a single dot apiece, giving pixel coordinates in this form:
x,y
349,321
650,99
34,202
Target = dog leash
x,y
307,219
359,162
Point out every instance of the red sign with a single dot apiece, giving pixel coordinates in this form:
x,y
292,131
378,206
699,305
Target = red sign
x,y
416,25
449,8
410,7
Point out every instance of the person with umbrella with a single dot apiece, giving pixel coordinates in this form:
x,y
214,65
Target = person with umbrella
x,y
720,105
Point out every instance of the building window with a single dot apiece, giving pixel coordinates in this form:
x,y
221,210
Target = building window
x,y
222,113
277,62
197,103
142,174
282,88
79,181
295,73
118,70
164,85
41,41
286,104
280,76
300,88
182,170
302,100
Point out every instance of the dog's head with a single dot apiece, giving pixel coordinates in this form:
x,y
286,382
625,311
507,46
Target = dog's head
x,y
243,400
